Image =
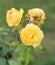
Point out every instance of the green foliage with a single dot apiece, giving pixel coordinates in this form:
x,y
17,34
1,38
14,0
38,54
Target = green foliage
x,y
24,52
2,61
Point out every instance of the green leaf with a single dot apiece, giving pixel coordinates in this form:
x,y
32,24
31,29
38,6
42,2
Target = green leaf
x,y
16,61
20,60
27,56
2,61
13,62
5,50
20,48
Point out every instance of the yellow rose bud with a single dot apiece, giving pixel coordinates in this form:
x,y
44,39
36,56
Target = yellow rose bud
x,y
14,16
31,35
37,15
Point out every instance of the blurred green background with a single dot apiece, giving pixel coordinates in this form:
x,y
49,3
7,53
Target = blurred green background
x,y
48,6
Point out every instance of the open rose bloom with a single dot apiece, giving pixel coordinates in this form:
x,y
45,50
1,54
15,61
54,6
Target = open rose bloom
x,y
36,16
31,35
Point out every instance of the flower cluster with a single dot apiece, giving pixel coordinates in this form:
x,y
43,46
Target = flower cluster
x,y
30,34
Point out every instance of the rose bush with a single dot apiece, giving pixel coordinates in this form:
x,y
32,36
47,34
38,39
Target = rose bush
x,y
22,37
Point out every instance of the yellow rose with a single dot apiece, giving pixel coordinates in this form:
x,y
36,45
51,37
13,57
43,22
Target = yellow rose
x,y
14,16
31,35
36,15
